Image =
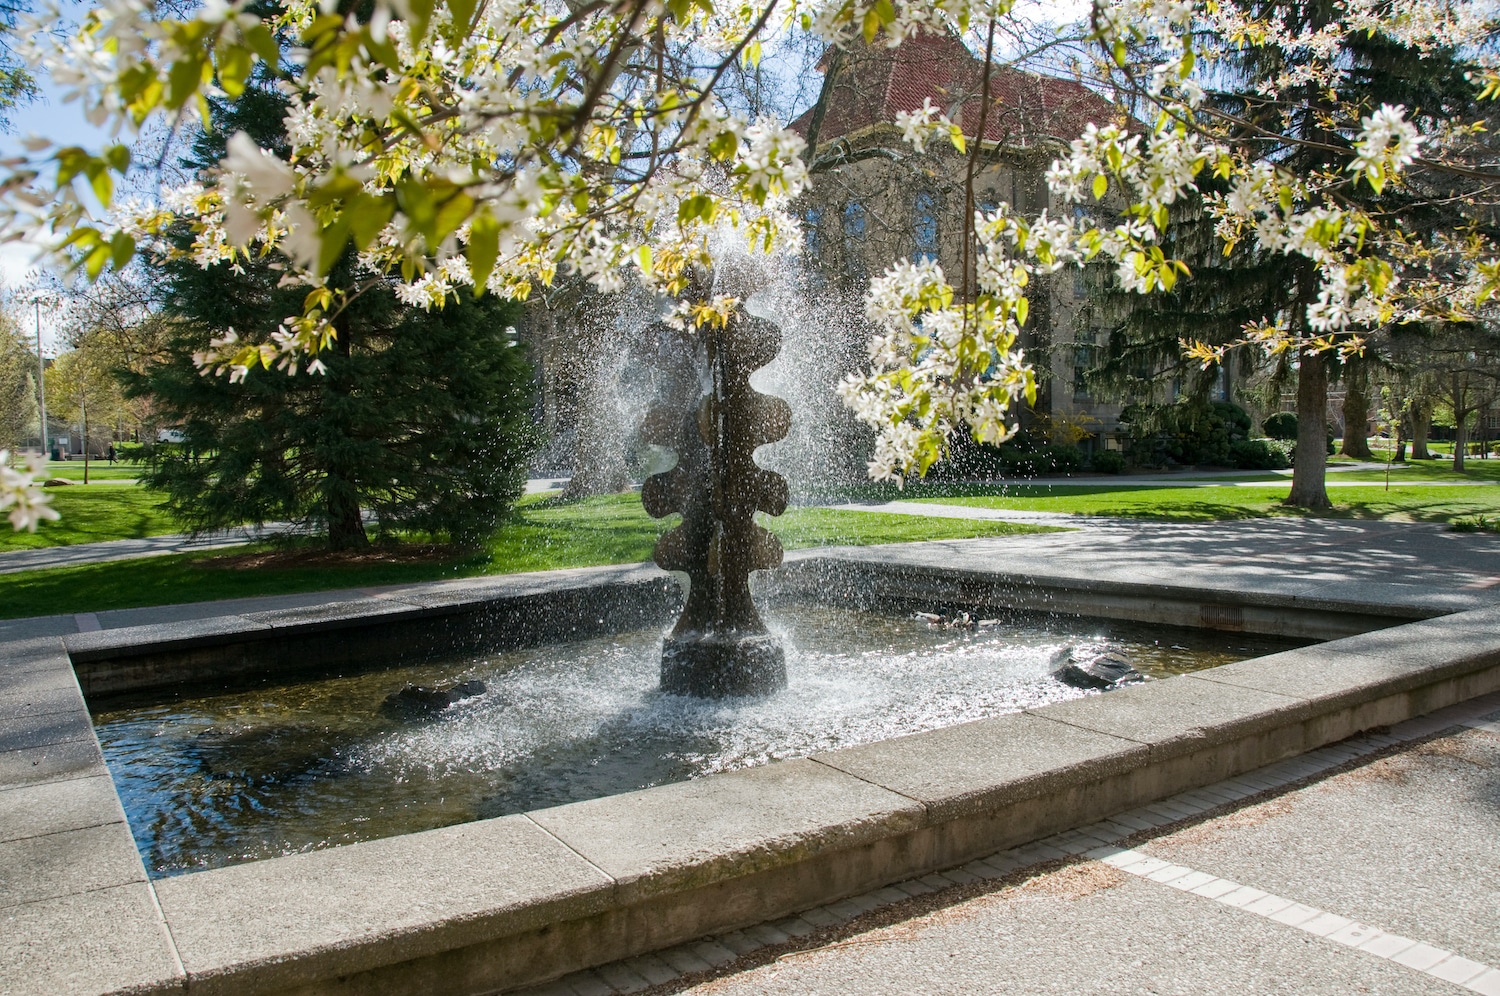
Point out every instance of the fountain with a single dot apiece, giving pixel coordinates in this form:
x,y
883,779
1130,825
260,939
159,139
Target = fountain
x,y
720,646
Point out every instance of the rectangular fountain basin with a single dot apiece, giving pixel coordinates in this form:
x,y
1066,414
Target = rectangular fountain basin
x,y
506,902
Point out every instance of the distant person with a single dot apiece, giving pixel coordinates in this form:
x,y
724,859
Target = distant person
x,y
110,455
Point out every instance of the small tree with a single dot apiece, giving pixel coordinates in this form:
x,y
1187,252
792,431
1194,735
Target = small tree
x,y
81,382
18,409
1465,366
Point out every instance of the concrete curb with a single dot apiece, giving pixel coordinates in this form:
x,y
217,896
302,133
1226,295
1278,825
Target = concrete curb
x,y
505,903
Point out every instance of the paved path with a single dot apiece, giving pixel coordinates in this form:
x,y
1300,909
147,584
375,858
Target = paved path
x,y
1370,866
129,549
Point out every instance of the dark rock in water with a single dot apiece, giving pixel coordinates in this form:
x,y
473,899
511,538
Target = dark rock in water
x,y
418,701
1094,670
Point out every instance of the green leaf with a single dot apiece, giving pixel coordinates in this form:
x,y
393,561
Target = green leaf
x,y
643,256
235,63
463,13
483,249
331,244
453,213
1101,185
367,216
1119,52
101,181
121,248
118,157
94,262
1023,309
886,11
697,206
263,42
956,136
871,26
724,145
183,80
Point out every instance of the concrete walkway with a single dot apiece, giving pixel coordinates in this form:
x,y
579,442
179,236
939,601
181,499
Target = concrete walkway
x,y
1370,866
129,549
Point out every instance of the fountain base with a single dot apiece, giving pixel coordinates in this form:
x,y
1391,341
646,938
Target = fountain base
x,y
715,667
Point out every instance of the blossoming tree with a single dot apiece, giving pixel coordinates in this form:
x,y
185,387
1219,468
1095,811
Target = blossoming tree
x,y
497,144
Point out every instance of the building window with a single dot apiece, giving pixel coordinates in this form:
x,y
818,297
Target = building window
x,y
925,224
856,221
856,225
1221,384
811,233
1083,361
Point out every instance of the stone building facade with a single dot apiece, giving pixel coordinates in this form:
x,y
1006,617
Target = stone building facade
x,y
875,200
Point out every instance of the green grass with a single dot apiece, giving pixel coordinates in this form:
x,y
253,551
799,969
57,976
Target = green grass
x,y
1476,471
540,536
99,470
1199,504
93,514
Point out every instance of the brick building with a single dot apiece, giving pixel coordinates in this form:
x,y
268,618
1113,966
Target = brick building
x,y
875,200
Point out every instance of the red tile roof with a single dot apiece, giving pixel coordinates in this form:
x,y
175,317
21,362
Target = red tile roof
x,y
877,83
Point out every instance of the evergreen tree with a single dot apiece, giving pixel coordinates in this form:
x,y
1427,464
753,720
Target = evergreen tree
x,y
422,418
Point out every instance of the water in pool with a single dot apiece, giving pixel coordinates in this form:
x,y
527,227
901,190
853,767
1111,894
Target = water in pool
x,y
234,777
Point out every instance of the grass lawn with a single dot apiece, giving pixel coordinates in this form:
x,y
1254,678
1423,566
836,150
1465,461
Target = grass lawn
x,y
1413,502
99,470
92,514
1476,471
540,536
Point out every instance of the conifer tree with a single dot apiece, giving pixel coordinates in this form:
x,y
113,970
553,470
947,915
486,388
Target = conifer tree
x,y
421,419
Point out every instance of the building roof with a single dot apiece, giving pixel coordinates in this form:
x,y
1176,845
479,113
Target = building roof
x,y
877,83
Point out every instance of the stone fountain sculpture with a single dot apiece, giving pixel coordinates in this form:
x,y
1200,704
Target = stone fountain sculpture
x,y
720,646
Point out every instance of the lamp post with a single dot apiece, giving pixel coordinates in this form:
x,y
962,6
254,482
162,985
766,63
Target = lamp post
x,y
41,374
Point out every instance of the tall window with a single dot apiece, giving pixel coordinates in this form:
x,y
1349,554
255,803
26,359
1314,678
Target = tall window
x,y
925,224
811,233
856,226
1084,345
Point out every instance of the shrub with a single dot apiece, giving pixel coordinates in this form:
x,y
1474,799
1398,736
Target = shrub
x,y
1282,425
1258,454
1108,461
1184,433
1021,457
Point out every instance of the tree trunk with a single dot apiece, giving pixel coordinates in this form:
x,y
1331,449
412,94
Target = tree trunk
x,y
606,418
85,407
1308,466
1460,424
1402,434
346,526
1356,412
1421,421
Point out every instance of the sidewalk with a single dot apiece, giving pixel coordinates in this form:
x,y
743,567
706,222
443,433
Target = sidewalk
x,y
1369,866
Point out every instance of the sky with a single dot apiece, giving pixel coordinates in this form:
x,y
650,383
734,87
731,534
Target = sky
x,y
63,123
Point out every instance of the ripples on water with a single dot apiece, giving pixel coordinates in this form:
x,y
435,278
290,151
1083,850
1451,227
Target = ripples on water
x,y
246,775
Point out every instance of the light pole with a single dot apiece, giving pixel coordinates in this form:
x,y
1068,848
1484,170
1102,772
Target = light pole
x,y
41,374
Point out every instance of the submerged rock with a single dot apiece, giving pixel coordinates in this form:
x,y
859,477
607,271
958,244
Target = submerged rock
x,y
1090,668
419,701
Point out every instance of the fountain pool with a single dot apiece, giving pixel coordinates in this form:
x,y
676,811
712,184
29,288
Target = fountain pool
x,y
219,779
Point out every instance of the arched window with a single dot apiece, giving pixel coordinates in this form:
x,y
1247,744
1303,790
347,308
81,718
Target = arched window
x,y
812,234
925,224
856,227
856,221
